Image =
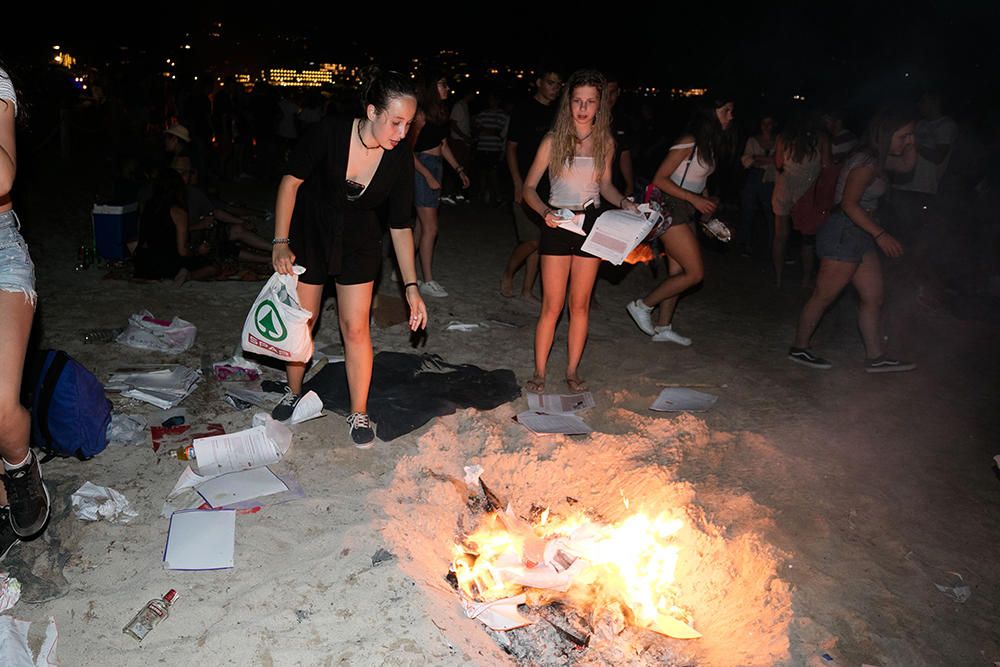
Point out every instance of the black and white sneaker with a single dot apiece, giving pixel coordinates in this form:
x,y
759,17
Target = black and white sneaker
x,y
284,409
8,538
884,364
801,355
28,498
362,431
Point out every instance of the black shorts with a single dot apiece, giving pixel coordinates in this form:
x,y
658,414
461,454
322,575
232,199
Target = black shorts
x,y
557,241
350,252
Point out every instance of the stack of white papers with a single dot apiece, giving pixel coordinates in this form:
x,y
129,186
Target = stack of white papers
x,y
682,399
163,387
540,422
616,233
200,540
560,404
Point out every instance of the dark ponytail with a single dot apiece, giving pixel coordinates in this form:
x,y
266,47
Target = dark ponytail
x,y
379,87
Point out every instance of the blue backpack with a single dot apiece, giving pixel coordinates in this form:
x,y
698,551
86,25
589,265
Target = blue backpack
x,y
69,412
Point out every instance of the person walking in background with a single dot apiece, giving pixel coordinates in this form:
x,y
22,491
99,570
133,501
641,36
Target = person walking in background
x,y
528,125
849,242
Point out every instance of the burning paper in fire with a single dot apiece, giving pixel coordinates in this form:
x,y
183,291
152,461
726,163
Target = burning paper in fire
x,y
599,568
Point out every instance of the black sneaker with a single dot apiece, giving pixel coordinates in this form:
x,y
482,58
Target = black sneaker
x,y
8,538
28,498
362,431
884,364
801,355
286,407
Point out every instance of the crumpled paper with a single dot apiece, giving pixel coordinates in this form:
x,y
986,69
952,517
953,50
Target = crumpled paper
x,y
958,591
146,332
14,650
127,429
92,503
10,591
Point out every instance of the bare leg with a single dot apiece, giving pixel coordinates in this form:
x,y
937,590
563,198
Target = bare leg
x,y
682,245
14,419
781,224
868,281
248,238
530,275
310,297
354,304
808,262
428,218
555,273
582,275
668,306
521,254
831,280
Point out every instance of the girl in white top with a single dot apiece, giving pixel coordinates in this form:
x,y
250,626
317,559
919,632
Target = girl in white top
x,y
683,178
577,154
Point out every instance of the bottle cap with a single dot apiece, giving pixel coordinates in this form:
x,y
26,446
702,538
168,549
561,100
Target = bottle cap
x,y
169,597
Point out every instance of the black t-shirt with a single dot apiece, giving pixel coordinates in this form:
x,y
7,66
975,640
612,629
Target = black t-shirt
x,y
325,224
320,159
622,133
528,126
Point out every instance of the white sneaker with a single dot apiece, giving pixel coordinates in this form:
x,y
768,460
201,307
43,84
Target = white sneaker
x,y
668,335
432,288
641,315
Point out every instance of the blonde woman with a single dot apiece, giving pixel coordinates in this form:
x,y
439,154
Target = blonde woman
x,y
577,154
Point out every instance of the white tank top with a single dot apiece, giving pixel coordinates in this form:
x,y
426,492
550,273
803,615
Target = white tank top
x,y
697,171
575,185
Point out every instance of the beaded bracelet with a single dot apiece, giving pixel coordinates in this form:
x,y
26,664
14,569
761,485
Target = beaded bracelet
x,y
277,241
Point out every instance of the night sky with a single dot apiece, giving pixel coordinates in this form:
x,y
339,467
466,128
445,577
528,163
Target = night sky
x,y
813,49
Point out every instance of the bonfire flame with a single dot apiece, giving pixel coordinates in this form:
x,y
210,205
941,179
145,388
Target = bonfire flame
x,y
594,565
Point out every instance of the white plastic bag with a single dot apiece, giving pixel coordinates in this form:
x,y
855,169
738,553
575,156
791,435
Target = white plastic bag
x,y
277,325
146,332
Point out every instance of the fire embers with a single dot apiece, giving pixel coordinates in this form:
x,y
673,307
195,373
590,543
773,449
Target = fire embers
x,y
612,575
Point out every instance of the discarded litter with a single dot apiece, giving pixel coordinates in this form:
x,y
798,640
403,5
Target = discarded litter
x,y
255,447
560,404
236,369
243,399
826,656
92,503
235,487
540,422
681,399
718,229
958,591
155,611
162,387
14,646
127,430
310,406
455,325
101,335
500,614
200,540
10,591
180,436
146,332
382,556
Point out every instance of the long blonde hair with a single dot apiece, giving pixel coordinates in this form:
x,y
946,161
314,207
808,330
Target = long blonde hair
x,y
564,139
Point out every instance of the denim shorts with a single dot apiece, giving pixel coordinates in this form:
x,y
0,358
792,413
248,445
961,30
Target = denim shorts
x,y
17,271
840,239
424,196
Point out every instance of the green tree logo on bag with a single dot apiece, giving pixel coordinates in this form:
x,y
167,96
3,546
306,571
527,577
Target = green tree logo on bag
x,y
269,323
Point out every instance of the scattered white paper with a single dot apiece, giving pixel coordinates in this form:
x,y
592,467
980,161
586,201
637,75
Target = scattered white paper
x,y
200,540
10,591
14,651
163,387
539,422
472,474
310,406
259,398
499,614
236,487
681,399
236,366
127,430
145,332
455,325
92,502
252,448
560,404
959,594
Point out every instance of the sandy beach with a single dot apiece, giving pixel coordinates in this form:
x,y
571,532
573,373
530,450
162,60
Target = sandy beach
x,y
821,507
